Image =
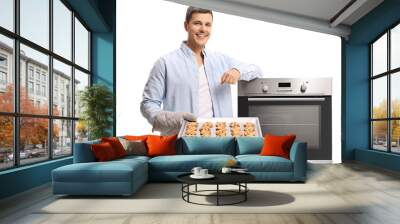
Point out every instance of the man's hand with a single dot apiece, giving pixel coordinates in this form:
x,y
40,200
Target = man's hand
x,y
231,76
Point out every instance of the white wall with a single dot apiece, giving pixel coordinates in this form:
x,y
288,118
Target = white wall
x,y
149,29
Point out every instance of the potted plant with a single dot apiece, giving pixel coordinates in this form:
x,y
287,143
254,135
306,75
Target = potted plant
x,y
97,106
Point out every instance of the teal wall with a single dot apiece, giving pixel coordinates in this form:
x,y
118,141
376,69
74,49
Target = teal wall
x,y
356,84
99,16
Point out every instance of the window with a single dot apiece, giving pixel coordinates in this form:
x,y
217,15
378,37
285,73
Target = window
x,y
385,94
54,126
43,77
6,75
37,89
30,87
37,74
44,91
30,72
62,75
81,45
3,78
3,61
35,21
62,29
7,14
3,72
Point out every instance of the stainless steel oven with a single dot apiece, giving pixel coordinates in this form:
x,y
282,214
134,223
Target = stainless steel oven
x,y
292,106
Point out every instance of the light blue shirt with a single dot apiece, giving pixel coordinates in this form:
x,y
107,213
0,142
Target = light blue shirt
x,y
174,83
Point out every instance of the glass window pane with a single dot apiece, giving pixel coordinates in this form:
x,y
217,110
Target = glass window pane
x,y
7,14
62,138
379,55
379,97
81,81
6,74
62,89
6,142
395,47
81,131
379,135
33,140
62,29
395,94
81,45
34,80
35,21
395,136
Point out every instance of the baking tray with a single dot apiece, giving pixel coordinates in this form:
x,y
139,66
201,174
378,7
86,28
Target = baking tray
x,y
228,120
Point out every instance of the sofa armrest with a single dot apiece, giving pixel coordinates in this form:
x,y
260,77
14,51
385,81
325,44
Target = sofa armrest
x,y
83,152
298,155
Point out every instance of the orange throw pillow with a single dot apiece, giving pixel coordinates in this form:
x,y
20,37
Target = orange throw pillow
x,y
277,145
116,145
103,152
161,145
135,138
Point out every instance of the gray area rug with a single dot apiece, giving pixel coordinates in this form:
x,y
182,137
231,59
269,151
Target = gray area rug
x,y
166,198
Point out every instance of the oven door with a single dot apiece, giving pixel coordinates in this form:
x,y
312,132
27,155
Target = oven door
x,y
309,118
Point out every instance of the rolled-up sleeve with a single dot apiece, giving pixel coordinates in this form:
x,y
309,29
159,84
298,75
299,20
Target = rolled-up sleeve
x,y
247,71
154,91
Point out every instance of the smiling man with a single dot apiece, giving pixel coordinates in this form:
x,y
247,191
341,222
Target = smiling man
x,y
192,81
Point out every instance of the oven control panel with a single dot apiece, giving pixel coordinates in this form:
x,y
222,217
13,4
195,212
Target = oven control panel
x,y
286,86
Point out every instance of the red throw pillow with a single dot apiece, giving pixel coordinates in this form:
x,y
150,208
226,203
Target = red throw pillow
x,y
116,145
277,145
103,151
161,145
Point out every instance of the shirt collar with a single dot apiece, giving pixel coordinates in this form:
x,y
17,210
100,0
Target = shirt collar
x,y
186,49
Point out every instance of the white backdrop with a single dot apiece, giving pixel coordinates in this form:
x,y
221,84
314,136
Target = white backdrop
x,y
149,29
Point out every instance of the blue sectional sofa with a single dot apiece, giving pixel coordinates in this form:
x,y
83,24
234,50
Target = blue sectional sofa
x,y
125,176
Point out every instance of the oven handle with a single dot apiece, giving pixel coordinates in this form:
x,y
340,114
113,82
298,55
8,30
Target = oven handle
x,y
302,99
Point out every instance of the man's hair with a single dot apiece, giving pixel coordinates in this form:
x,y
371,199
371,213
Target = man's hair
x,y
190,10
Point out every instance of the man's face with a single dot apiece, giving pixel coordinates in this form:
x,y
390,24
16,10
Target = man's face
x,y
199,28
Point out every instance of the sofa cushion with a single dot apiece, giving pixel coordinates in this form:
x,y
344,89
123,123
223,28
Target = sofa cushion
x,y
257,163
208,145
111,171
249,145
185,163
83,152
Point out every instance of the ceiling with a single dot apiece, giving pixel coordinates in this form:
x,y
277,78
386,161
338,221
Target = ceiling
x,y
327,16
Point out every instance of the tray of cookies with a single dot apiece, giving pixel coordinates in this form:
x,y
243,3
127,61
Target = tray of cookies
x,y
221,127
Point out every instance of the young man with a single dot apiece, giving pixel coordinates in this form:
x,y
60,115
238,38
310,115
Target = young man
x,y
192,81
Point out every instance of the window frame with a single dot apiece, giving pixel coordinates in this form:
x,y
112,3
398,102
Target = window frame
x,y
15,71
388,74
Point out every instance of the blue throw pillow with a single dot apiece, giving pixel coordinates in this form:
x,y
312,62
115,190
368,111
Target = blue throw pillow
x,y
249,145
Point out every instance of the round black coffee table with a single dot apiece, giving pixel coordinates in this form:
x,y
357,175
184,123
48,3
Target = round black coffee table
x,y
238,179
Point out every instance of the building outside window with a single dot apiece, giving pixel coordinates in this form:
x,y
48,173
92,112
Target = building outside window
x,y
34,79
385,91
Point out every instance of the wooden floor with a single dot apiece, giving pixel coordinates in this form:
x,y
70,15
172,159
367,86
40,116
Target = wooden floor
x,y
377,188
